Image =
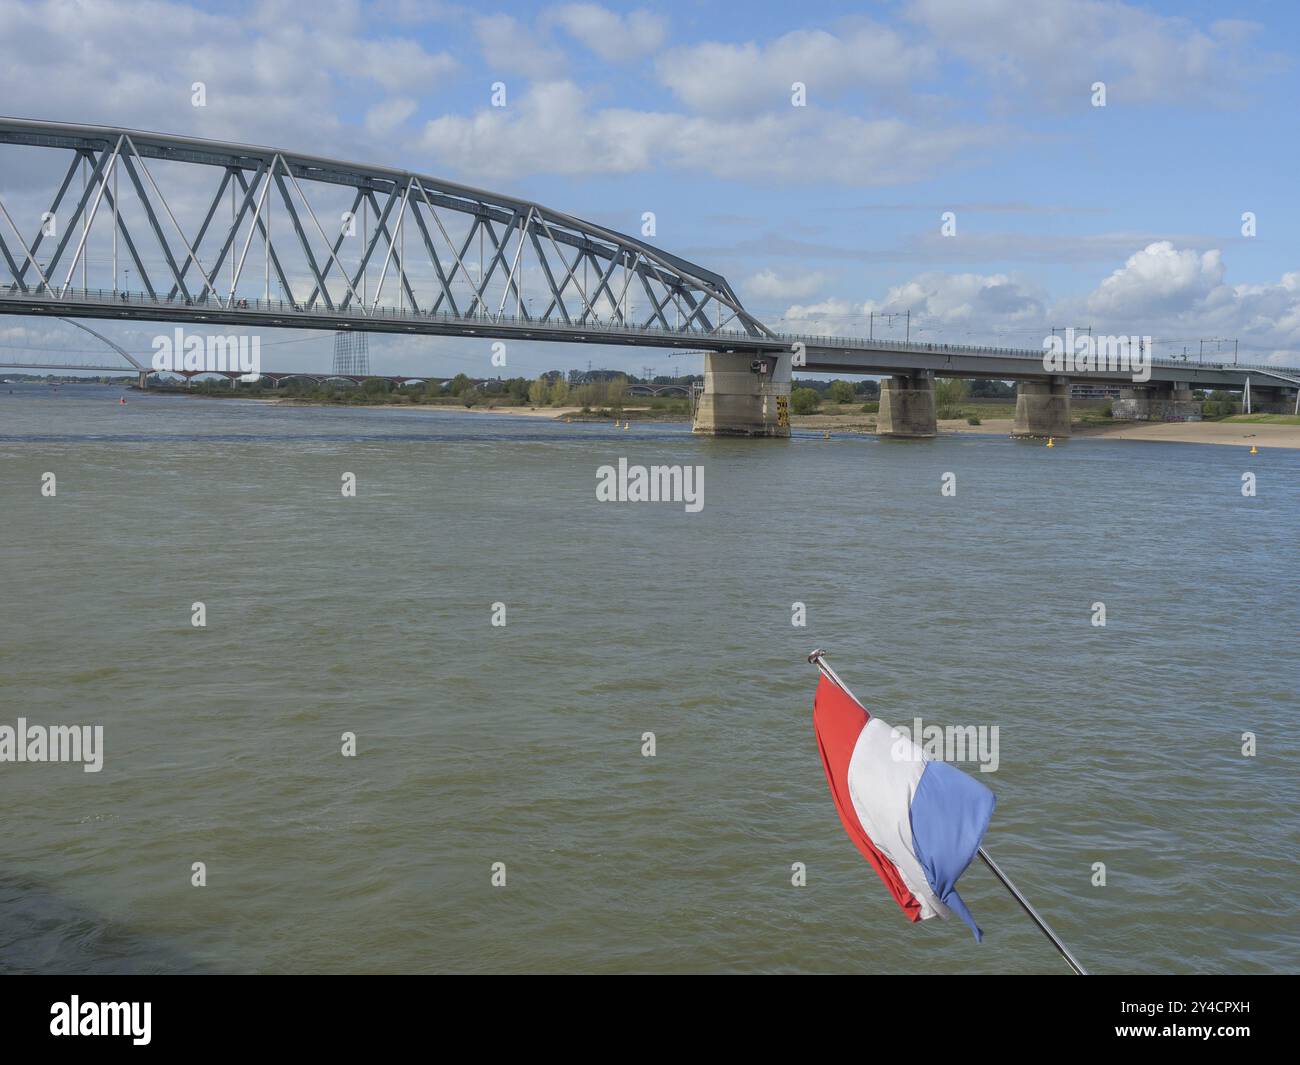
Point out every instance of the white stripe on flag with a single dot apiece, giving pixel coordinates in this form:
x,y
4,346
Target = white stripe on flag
x,y
881,785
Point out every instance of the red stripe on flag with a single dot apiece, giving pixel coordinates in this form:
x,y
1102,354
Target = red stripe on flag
x,y
837,720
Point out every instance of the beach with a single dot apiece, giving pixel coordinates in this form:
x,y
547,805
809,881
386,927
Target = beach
x,y
1245,434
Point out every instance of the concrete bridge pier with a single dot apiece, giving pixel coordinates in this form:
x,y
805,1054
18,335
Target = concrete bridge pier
x,y
1157,403
1042,408
1182,405
745,394
907,406
1272,400
1134,404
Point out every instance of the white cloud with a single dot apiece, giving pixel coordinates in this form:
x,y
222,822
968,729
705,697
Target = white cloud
x,y
551,129
829,317
766,284
510,46
1162,290
611,36
546,130
413,12
718,78
386,116
960,308
1158,280
271,77
397,64
1055,49
965,299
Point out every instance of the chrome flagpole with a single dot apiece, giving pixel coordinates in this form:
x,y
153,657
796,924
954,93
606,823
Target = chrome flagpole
x,y
818,659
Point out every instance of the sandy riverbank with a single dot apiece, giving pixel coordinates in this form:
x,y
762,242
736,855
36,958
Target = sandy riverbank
x,y
553,413
1239,433
1242,434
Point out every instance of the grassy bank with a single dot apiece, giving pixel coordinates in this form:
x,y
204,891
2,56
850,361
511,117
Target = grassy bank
x,y
1263,419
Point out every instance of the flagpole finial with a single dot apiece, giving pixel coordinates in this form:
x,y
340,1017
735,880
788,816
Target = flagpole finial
x,y
816,655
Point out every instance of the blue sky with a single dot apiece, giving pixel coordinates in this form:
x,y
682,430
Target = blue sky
x,y
1125,217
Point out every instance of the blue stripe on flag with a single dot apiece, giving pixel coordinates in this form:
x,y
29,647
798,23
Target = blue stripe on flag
x,y
950,814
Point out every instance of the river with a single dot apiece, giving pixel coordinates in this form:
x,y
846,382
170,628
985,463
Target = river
x,y
522,743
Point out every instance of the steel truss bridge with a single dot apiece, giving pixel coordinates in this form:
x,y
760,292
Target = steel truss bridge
x,y
260,237
348,247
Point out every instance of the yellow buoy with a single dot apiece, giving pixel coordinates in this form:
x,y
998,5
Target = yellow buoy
x,y
826,435
627,425
1254,450
1051,441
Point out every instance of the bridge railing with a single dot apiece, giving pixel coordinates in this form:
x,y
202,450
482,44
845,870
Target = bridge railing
x,y
812,340
359,316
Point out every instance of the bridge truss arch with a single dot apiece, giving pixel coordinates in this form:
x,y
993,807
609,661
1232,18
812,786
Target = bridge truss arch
x,y
146,225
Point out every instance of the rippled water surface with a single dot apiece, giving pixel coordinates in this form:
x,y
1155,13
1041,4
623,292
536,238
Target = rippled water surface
x,y
481,744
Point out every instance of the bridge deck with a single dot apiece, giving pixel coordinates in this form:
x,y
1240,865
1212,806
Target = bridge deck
x,y
838,355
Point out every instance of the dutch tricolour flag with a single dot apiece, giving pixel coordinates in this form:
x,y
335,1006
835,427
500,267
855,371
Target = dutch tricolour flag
x,y
918,822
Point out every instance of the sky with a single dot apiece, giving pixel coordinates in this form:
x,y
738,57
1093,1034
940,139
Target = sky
x,y
1126,218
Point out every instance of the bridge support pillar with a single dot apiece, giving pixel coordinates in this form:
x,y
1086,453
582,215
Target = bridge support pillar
x,y
1272,400
745,394
907,406
142,380
1133,405
1042,408
1180,404
1157,403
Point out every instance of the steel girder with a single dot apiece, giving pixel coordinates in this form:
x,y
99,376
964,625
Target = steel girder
x,y
422,240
